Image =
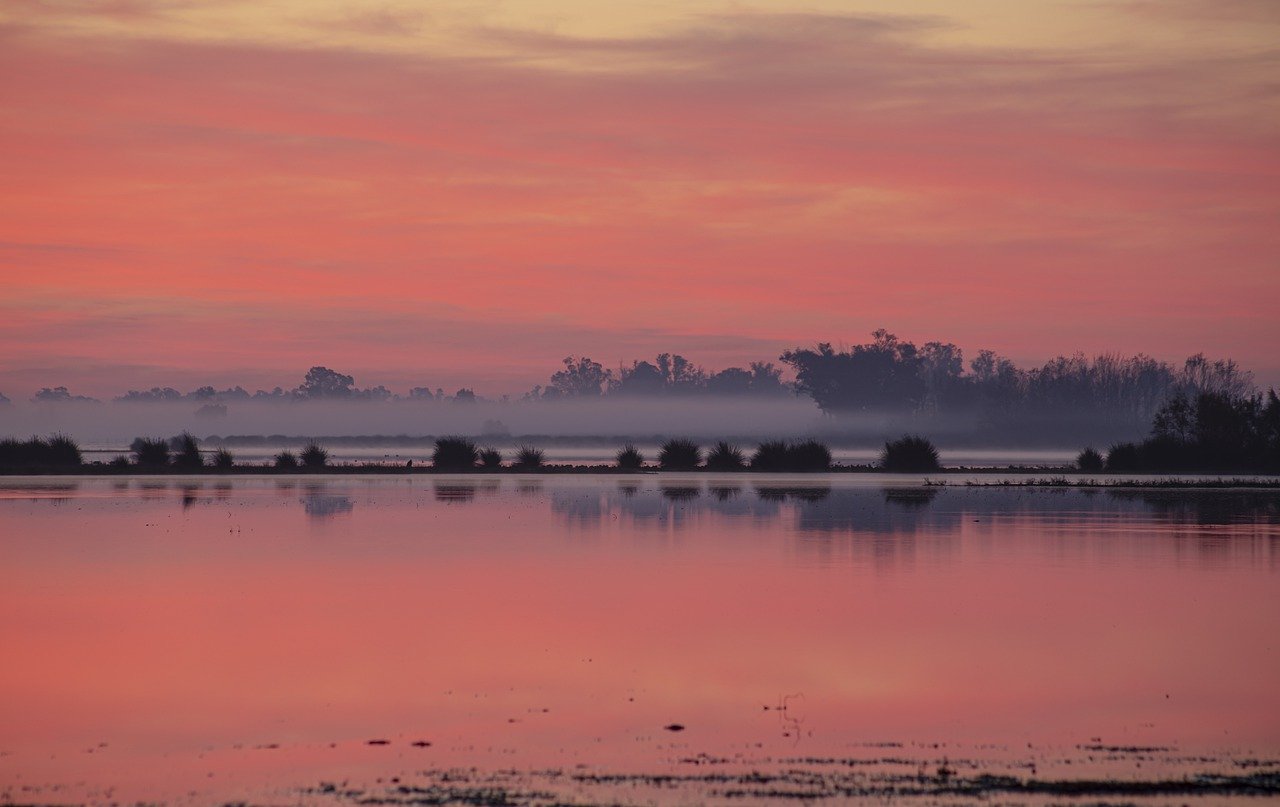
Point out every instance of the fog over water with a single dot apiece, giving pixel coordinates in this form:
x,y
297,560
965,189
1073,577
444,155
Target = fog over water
x,y
601,422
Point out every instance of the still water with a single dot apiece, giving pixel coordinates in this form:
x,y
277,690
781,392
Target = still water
x,y
658,638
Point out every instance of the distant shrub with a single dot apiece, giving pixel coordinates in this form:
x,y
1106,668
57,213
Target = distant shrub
x,y
810,456
679,454
186,451
314,457
286,461
150,452
529,458
222,460
770,456
491,458
59,451
455,454
725,457
910,454
1090,461
1124,458
629,458
778,455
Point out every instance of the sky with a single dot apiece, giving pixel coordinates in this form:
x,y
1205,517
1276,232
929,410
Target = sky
x,y
463,193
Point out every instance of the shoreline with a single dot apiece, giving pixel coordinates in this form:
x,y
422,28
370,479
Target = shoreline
x,y
1031,476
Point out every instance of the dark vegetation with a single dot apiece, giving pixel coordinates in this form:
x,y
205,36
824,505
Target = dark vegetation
x,y
150,452
779,455
928,387
529,458
57,451
491,459
314,457
223,460
725,457
910,453
1211,432
1090,461
186,452
455,454
286,461
679,454
629,458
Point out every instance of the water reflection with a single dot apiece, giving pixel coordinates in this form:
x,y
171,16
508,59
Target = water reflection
x,y
324,505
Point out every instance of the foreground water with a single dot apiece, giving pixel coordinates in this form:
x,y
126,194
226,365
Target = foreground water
x,y
672,639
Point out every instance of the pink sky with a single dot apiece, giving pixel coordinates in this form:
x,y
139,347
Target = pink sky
x,y
218,193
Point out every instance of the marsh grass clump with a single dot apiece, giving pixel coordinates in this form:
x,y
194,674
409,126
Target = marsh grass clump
x,y
119,462
529,458
1090,460
222,460
314,457
286,461
629,458
809,456
1124,458
58,451
770,455
150,452
455,454
910,453
186,451
679,454
491,458
725,457
779,455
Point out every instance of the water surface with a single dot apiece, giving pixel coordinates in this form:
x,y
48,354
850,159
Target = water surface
x,y
341,639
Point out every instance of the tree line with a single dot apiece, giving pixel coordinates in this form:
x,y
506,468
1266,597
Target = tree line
x,y
884,375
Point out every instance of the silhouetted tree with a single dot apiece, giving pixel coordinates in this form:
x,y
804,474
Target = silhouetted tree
x,y
580,377
60,395
882,374
321,382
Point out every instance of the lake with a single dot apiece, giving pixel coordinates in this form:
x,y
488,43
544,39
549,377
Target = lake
x,y
668,638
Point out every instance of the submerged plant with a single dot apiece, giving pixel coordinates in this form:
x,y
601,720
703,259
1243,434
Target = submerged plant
x,y
679,454
725,457
529,458
455,454
629,458
314,457
910,453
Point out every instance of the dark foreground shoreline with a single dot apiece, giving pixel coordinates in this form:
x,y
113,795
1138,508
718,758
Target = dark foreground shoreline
x,y
1031,476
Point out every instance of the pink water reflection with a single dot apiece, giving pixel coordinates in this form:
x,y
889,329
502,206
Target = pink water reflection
x,y
250,639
